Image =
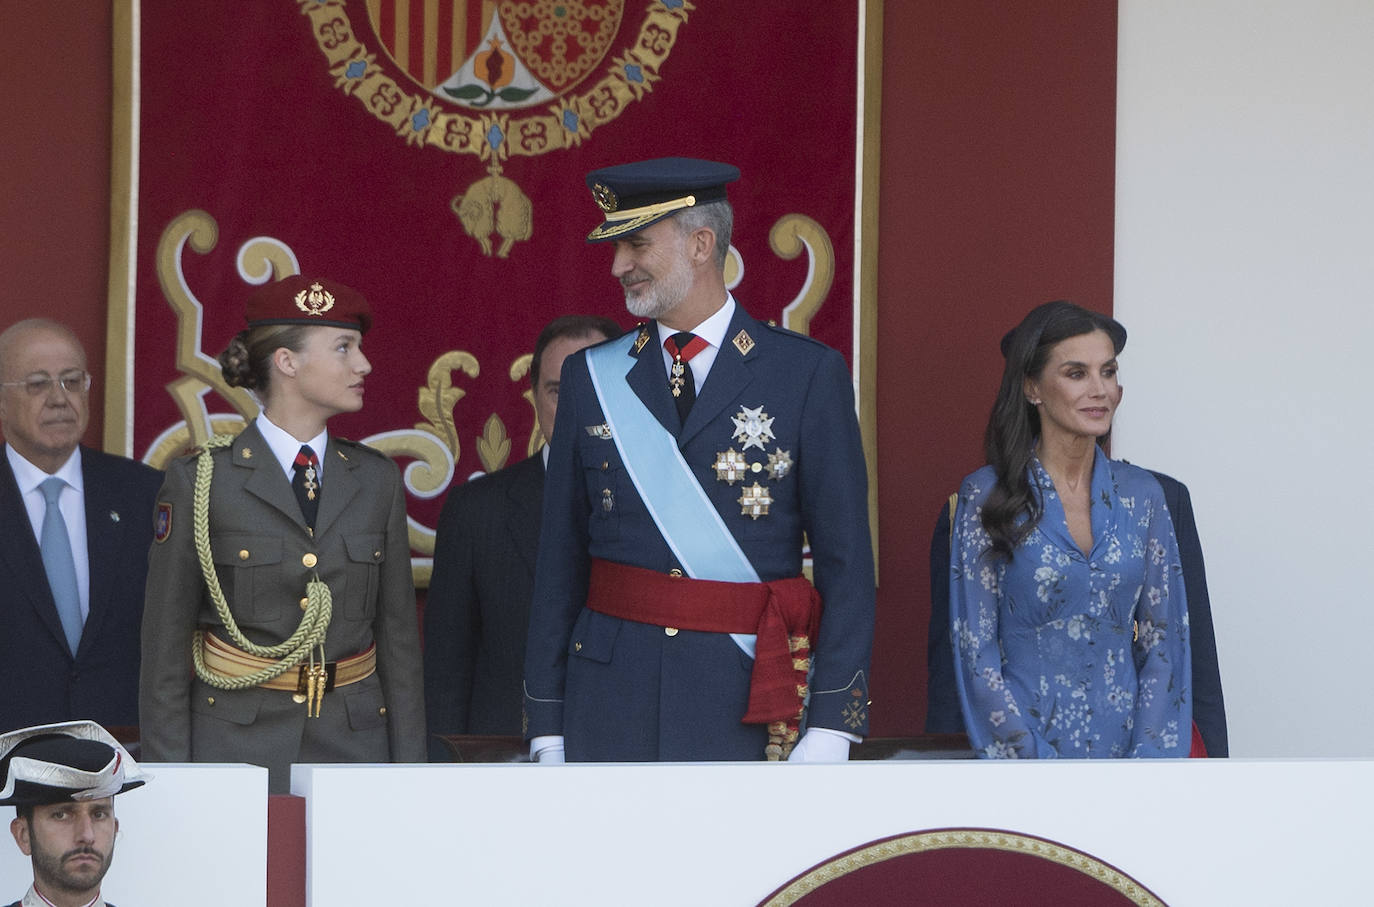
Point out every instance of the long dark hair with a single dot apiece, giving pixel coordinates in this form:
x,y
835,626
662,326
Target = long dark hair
x,y
1014,424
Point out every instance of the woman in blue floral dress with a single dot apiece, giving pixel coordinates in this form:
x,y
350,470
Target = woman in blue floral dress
x,y
1068,616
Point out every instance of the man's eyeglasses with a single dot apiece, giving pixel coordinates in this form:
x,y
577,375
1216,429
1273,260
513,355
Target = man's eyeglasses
x,y
41,385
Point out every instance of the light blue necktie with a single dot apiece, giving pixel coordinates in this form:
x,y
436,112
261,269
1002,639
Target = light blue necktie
x,y
59,564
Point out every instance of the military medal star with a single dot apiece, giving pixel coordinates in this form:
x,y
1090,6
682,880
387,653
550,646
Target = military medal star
x,y
730,466
779,463
752,427
754,500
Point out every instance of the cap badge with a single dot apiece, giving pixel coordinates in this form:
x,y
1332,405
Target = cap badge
x,y
752,427
315,301
605,197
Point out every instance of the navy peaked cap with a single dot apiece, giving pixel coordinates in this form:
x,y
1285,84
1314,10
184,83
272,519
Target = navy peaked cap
x,y
633,196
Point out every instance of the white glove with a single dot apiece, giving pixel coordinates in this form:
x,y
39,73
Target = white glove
x,y
820,744
547,750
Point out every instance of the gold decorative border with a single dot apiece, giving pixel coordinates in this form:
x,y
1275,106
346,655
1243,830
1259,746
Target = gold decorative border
x,y
967,838
497,134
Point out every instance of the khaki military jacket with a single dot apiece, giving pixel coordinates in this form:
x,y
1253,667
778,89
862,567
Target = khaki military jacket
x,y
264,555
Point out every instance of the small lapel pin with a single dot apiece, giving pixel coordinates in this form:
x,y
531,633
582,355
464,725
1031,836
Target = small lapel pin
x,y
114,516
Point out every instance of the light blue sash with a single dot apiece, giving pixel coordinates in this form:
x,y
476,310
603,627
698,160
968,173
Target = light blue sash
x,y
684,515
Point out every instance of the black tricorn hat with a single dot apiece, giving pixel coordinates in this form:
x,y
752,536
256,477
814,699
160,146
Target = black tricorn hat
x,y
61,763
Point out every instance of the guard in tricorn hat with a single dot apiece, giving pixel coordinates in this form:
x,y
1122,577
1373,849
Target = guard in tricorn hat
x,y
61,779
280,568
691,459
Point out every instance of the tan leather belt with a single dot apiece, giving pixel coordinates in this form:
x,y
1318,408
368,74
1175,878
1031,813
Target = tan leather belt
x,y
231,661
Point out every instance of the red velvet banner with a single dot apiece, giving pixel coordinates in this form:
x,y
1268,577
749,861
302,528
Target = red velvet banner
x,y
431,153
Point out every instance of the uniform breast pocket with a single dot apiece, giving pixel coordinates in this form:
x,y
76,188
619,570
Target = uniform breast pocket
x,y
606,482
249,567
365,555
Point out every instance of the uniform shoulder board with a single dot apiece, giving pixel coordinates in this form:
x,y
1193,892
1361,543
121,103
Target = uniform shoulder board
x,y
359,446
788,332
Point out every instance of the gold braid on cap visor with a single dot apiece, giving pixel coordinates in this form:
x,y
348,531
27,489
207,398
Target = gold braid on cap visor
x,y
621,222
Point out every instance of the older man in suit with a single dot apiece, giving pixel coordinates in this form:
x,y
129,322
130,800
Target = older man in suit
x,y
74,541
671,620
478,607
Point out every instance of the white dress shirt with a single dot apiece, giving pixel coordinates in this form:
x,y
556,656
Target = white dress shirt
x,y
285,447
712,330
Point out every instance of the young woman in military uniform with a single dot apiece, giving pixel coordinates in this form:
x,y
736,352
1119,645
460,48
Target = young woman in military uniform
x,y
279,624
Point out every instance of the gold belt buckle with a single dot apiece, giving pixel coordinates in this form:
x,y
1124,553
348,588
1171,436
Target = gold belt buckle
x,y
312,682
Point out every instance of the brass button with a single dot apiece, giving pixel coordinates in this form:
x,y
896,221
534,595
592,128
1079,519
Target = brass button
x,y
670,631
675,572
309,560
605,464
243,554
210,699
376,555
577,647
382,710
305,603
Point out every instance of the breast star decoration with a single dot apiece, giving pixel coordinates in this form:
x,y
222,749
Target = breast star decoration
x,y
752,428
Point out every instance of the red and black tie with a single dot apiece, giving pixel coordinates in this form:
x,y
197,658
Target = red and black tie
x,y
306,483
682,347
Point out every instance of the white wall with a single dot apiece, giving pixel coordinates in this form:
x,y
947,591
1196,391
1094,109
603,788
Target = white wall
x,y
1244,274
569,835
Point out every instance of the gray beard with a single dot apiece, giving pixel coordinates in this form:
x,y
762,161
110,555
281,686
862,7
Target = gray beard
x,y
665,294
647,305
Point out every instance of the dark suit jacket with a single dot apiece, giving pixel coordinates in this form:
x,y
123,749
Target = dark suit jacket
x,y
626,690
259,543
478,608
1209,707
40,681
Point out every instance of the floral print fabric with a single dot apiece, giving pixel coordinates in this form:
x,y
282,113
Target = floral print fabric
x,y
1066,655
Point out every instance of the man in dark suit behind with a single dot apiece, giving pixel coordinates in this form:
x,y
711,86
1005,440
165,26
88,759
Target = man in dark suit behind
x,y
1209,707
78,657
478,607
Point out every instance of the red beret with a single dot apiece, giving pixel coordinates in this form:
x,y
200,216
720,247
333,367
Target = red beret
x,y
298,299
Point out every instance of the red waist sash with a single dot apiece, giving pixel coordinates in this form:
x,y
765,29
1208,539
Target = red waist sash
x,y
784,614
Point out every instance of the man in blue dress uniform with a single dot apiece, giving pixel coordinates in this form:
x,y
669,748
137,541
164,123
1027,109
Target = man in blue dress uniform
x,y
690,458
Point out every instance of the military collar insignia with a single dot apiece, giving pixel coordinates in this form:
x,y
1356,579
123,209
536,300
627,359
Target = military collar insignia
x,y
743,342
641,340
315,301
